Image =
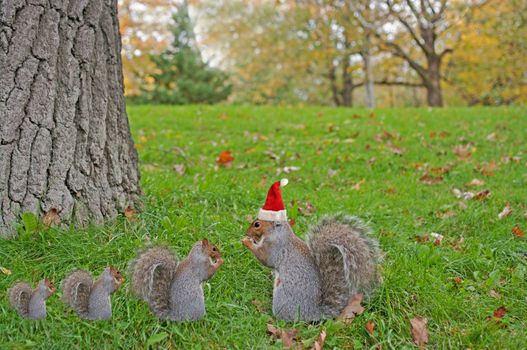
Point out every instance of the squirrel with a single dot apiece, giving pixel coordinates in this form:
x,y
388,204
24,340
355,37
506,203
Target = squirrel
x,y
313,279
173,289
91,299
29,303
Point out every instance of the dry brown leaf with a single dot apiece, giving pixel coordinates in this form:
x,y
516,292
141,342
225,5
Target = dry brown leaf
x,y
419,330
475,183
5,270
292,222
507,210
422,238
441,170
289,169
395,149
463,151
353,309
463,195
488,168
370,326
51,218
306,209
271,154
482,195
223,116
130,214
437,237
385,135
494,294
357,186
288,336
445,214
491,137
179,169
225,159
430,180
319,343
518,232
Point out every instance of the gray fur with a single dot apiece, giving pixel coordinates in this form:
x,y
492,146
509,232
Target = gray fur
x,y
347,259
30,304
296,292
172,290
90,300
152,274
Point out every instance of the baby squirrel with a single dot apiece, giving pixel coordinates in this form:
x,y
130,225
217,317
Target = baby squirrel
x,y
173,290
314,279
89,298
29,303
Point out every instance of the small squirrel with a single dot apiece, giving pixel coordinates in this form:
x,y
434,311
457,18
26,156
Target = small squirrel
x,y
89,298
173,290
29,303
314,279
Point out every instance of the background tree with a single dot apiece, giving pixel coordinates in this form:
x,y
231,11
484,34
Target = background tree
x,y
181,76
65,144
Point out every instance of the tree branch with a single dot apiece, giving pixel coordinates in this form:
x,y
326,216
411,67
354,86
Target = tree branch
x,y
408,27
397,83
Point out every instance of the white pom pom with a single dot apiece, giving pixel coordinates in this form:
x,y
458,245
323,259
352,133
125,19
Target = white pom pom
x,y
284,182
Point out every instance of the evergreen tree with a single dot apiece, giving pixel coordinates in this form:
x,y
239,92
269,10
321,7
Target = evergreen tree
x,y
182,76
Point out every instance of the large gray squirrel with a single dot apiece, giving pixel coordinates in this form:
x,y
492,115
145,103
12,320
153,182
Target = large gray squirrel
x,y
173,289
29,303
313,279
91,299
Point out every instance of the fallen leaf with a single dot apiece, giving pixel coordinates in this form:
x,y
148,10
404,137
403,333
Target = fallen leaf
x,y
463,152
457,245
289,169
395,149
372,160
438,238
130,214
488,168
319,343
422,238
271,155
464,195
385,135
491,137
292,222
446,214
457,280
352,309
223,116
5,270
430,180
51,218
494,294
332,173
505,212
475,183
370,326
225,159
306,209
483,195
419,330
499,313
288,336
179,169
357,186
441,170
518,232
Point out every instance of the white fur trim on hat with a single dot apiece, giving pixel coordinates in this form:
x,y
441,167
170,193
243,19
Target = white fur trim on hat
x,y
284,182
271,215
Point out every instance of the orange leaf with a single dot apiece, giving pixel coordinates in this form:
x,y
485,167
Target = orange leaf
x,y
500,312
225,159
352,309
518,232
430,180
370,326
319,343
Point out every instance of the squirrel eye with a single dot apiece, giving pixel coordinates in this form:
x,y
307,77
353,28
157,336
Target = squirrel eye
x,y
257,224
214,249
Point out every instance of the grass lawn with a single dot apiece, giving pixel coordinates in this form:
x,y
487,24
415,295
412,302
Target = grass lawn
x,y
347,161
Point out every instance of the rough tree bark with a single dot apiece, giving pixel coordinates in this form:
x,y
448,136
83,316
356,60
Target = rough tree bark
x,y
65,143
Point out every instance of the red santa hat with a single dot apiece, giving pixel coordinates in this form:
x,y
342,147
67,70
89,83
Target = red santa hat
x,y
273,209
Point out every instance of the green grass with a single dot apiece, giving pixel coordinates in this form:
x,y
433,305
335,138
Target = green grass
x,y
213,202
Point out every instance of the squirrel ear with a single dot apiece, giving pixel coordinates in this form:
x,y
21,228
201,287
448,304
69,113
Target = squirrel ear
x,y
205,242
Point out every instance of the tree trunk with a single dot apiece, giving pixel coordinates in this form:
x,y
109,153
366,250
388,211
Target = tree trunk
x,y
347,84
366,57
65,143
434,97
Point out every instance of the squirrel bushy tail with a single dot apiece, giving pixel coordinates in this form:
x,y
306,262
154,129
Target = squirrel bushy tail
x,y
19,296
347,259
76,289
152,274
